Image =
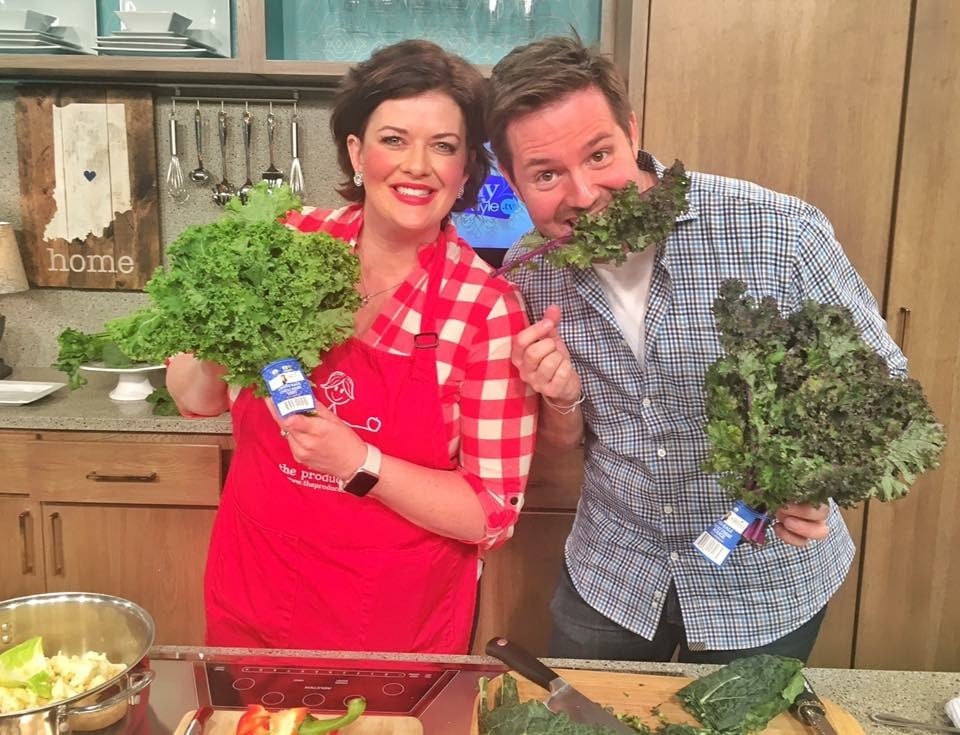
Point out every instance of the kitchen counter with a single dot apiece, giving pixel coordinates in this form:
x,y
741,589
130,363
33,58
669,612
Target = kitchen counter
x,y
90,408
917,695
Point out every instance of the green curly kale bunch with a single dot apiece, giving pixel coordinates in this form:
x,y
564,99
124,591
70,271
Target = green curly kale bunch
x,y
632,222
800,409
244,291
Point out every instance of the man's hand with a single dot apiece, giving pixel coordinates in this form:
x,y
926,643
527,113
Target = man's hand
x,y
543,360
798,524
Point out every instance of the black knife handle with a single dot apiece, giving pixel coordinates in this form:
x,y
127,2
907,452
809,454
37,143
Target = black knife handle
x,y
522,661
806,702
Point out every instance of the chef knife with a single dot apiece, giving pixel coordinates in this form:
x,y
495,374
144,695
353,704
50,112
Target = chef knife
x,y
563,697
195,726
808,708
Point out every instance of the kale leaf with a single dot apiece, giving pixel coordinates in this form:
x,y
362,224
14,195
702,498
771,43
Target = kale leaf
x,y
630,223
801,409
77,348
244,291
510,716
743,696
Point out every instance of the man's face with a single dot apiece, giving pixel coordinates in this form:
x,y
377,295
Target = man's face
x,y
569,157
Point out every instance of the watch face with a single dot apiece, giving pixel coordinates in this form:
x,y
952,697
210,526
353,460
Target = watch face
x,y
361,483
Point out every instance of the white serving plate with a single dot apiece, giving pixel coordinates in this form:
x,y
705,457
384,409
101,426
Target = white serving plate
x,y
142,40
10,38
19,392
139,51
52,49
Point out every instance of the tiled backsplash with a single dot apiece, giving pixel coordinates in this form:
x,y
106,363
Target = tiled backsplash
x,y
35,317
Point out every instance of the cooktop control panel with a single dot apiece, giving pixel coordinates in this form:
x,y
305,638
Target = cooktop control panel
x,y
405,690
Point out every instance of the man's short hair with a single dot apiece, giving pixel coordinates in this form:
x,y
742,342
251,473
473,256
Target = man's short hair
x,y
541,73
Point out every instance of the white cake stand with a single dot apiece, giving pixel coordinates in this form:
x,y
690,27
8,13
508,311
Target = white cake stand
x,y
133,383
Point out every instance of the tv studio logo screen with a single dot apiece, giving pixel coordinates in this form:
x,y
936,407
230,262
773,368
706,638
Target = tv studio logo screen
x,y
497,221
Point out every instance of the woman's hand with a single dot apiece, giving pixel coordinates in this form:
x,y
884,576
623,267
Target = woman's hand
x,y
322,442
801,523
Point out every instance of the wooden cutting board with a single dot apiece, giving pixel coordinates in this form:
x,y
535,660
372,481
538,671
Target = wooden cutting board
x,y
224,722
635,694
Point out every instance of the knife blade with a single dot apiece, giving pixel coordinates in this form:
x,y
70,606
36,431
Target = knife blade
x,y
563,697
195,726
809,710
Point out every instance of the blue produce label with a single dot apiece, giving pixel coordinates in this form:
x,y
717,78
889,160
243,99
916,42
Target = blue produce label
x,y
289,387
722,537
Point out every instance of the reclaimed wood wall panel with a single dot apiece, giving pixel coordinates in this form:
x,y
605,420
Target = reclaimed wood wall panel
x,y
88,187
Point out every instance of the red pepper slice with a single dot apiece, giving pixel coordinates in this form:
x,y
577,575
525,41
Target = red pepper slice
x,y
255,721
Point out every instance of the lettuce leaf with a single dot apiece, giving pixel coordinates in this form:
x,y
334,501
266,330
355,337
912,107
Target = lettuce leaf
x,y
25,667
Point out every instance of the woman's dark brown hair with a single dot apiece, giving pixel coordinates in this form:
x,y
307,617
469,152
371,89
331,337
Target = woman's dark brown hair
x,y
403,70
543,72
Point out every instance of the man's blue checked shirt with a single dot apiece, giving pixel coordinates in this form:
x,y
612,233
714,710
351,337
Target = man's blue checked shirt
x,y
645,498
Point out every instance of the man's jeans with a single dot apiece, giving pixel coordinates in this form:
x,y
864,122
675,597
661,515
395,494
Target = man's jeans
x,y
579,631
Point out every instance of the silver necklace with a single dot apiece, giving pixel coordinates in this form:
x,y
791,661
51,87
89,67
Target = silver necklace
x,y
365,297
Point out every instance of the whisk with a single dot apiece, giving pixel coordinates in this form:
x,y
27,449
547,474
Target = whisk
x,y
296,174
175,184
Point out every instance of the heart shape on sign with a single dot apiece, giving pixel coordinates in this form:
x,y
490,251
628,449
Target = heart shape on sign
x,y
90,175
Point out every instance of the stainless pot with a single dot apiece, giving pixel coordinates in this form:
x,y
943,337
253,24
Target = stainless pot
x,y
74,623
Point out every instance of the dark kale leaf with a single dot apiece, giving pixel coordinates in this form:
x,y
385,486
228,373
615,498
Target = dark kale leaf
x,y
510,716
745,695
632,222
801,409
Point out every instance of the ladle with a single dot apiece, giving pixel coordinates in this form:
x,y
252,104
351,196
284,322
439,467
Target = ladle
x,y
199,175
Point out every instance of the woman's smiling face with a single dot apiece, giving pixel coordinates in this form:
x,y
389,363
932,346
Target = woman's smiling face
x,y
413,157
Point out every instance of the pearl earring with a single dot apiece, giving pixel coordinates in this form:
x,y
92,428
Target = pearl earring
x,y
460,192
358,179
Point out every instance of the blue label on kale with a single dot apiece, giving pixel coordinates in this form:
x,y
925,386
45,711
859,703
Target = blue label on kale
x,y
289,387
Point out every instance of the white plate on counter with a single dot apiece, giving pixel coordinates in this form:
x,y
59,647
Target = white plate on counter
x,y
19,392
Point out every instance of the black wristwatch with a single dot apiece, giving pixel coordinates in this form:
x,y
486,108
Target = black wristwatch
x,y
367,475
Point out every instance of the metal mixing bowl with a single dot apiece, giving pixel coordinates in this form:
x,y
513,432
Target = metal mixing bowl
x,y
74,623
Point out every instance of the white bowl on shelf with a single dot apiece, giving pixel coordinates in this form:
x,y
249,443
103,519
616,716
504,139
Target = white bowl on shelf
x,y
25,20
153,21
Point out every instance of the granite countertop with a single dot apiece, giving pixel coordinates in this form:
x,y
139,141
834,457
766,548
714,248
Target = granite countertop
x,y
90,408
915,695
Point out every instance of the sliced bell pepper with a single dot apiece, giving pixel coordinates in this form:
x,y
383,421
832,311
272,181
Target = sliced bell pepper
x,y
314,726
286,721
255,721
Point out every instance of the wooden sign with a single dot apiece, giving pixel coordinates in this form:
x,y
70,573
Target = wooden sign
x,y
88,187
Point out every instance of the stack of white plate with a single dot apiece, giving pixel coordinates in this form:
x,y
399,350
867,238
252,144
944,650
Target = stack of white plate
x,y
29,32
129,43
154,34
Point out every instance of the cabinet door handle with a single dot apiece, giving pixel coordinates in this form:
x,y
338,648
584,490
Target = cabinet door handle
x,y
902,328
56,528
26,538
97,477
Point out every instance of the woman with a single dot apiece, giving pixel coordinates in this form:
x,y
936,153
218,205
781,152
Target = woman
x,y
361,528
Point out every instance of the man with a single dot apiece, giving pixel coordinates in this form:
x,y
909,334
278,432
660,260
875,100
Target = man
x,y
619,355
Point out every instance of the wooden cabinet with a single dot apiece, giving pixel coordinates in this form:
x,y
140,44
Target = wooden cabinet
x,y
519,578
126,516
21,547
153,556
910,597
804,98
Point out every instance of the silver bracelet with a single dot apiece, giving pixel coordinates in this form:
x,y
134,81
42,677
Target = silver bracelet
x,y
564,410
